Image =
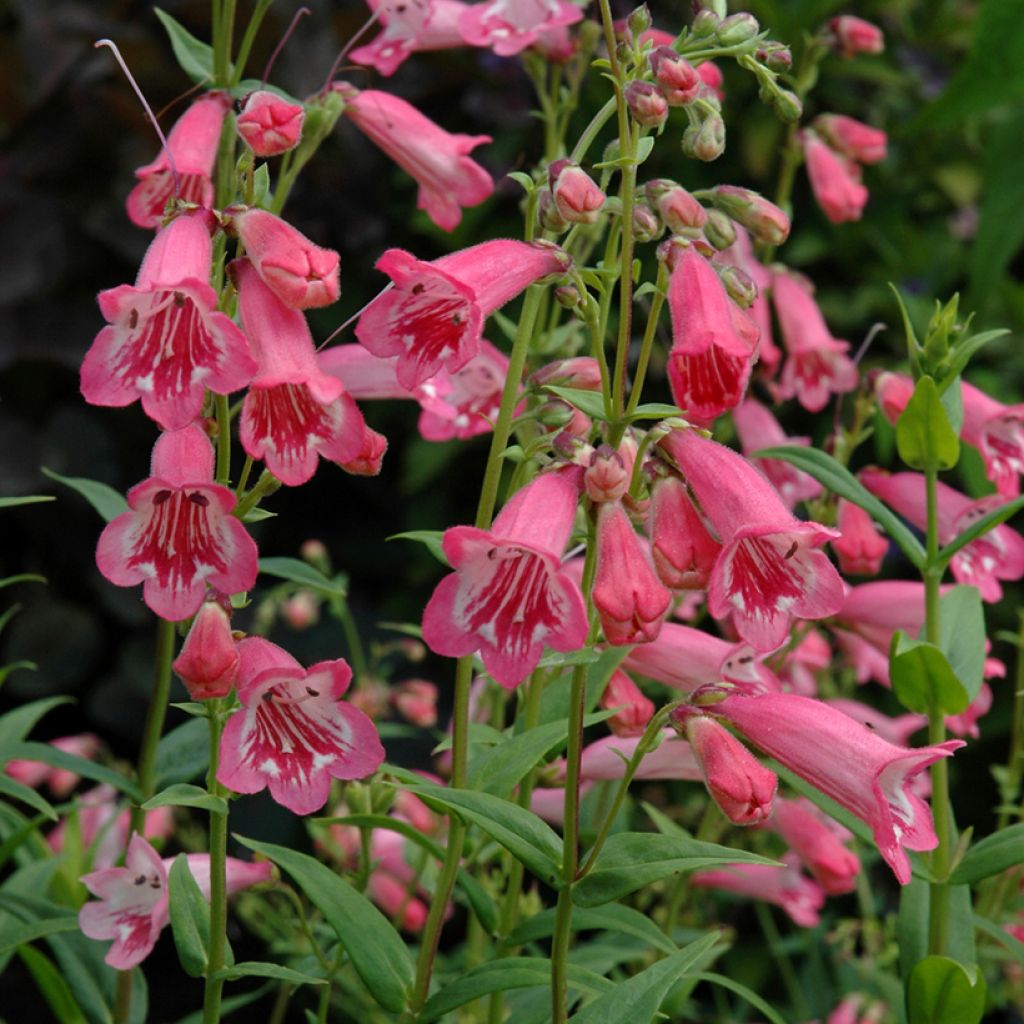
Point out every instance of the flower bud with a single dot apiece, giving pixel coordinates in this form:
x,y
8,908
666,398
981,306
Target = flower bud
x,y
681,547
567,296
548,215
315,552
707,141
852,138
370,457
579,372
677,208
301,610
674,75
635,709
719,230
416,701
705,24
639,21
607,476
849,35
208,662
646,224
737,28
763,219
270,125
787,106
775,57
647,105
739,284
576,195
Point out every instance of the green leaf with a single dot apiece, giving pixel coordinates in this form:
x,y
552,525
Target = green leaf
x,y
303,573
924,437
51,984
743,992
27,795
431,539
589,402
921,674
182,794
962,636
991,855
108,502
839,480
375,949
531,841
631,860
613,918
257,515
967,347
960,944
502,975
190,918
524,180
26,499
184,753
638,999
994,931
194,56
654,411
942,991
260,191
21,577
979,527
232,1003
14,933
17,724
912,924
46,754
255,969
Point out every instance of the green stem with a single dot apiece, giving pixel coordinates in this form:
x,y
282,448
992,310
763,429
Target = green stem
x,y
259,12
267,484
218,880
352,641
782,961
223,30
220,403
597,122
243,479
646,346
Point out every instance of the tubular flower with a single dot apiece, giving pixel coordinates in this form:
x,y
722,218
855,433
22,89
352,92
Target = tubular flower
x,y
294,412
410,27
293,733
433,314
816,363
208,662
509,26
850,35
178,534
673,758
714,342
438,160
630,599
835,180
509,595
994,556
862,772
854,139
269,124
786,887
818,842
768,570
681,547
165,342
861,547
193,144
632,709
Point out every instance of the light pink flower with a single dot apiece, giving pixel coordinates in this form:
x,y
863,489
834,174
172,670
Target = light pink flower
x,y
966,723
862,772
433,313
861,547
60,781
293,732
178,535
997,430
416,701
681,547
438,160
797,673
896,729
165,342
761,217
816,363
208,661
270,125
410,26
851,35
606,759
509,595
854,139
835,180
193,144
634,710
785,887
677,78
294,413
768,571
509,26
680,211
576,195
818,842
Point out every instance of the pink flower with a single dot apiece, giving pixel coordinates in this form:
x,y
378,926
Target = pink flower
x,y
861,548
416,701
762,218
681,212
854,139
966,723
997,430
677,78
299,273
575,193
851,35
61,781
208,661
818,842
367,461
862,772
294,412
509,596
768,571
785,887
800,664
178,535
165,342
835,180
714,342
509,26
433,314
410,28
438,160
996,555
816,363
269,124
293,733
632,709
681,547
193,144
896,730
630,599
673,758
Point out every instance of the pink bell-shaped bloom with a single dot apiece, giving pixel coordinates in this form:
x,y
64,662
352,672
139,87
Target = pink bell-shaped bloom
x,y
509,26
714,342
769,570
966,723
438,160
410,28
509,595
785,887
673,758
758,428
996,555
682,549
294,413
741,786
800,664
896,729
835,180
816,363
270,125
293,732
818,842
208,662
851,35
433,314
299,273
862,772
61,781
861,547
416,701
893,391
997,431
630,599
178,535
165,342
193,144
854,139
767,222
632,709
575,193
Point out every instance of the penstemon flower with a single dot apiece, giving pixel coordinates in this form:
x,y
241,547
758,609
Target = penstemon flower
x,y
818,842
410,26
269,124
509,26
786,887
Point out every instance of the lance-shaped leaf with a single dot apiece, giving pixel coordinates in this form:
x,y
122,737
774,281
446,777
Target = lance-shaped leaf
x,y
991,855
924,436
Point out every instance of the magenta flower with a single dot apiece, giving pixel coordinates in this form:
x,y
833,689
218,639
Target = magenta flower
x,y
193,144
509,595
681,547
208,661
816,363
410,28
818,842
862,772
835,180
632,709
165,342
785,887
293,733
433,314
438,160
509,26
269,124
768,571
178,535
294,413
